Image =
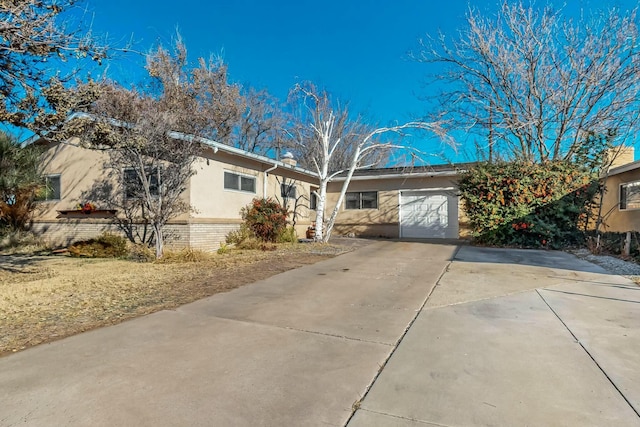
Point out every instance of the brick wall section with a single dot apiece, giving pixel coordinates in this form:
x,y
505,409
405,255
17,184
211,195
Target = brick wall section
x,y
59,234
203,236
209,236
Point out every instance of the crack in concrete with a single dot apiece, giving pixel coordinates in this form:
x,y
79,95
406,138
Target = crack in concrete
x,y
591,296
326,334
427,423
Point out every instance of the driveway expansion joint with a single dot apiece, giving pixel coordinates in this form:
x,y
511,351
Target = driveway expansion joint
x,y
589,354
404,333
290,328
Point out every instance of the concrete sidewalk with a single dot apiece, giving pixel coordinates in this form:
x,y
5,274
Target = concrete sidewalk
x,y
298,349
515,338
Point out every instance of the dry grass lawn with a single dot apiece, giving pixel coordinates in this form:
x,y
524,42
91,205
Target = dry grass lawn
x,y
44,298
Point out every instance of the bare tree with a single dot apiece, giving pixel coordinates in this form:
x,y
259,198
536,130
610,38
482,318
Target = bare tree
x,y
33,36
536,82
153,136
260,125
336,144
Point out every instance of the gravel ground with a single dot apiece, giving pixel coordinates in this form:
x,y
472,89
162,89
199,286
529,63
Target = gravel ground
x,y
612,264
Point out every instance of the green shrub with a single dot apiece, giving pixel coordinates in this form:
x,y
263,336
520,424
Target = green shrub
x,y
288,235
238,236
266,219
107,245
528,205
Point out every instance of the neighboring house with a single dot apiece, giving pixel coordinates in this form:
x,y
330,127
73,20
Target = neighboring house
x,y
226,180
416,202
621,202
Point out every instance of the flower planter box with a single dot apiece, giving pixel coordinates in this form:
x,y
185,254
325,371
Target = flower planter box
x,y
79,213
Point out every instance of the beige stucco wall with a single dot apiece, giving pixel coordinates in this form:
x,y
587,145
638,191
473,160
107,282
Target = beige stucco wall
x,y
78,168
620,155
615,219
213,203
216,211
81,170
384,221
210,199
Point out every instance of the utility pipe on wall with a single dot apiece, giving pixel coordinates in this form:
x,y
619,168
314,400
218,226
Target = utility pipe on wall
x,y
266,176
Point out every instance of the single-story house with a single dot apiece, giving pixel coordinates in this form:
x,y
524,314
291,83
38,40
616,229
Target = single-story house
x,y
226,180
409,202
416,202
621,201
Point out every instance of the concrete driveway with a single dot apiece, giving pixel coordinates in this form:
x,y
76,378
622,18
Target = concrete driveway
x,y
494,338
515,338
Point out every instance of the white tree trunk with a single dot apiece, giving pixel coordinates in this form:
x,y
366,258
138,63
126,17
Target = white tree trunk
x,y
322,203
330,135
159,238
345,185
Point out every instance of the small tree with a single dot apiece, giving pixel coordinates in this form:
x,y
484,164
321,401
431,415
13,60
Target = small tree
x,y
335,144
152,136
20,182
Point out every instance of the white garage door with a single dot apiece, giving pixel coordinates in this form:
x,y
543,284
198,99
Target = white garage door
x,y
425,214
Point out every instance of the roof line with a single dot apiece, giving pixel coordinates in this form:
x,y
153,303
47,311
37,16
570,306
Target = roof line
x,y
400,175
186,137
624,168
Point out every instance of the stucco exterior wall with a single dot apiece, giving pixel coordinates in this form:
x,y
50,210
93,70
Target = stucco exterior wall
x,y
83,173
385,220
615,219
210,199
78,168
216,210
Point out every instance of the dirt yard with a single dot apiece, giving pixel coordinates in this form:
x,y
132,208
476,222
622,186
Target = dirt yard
x,y
45,298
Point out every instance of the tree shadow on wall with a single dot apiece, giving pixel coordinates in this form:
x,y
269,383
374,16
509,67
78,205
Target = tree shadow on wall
x,y
110,193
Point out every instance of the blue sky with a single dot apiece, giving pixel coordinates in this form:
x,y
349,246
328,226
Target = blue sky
x,y
356,49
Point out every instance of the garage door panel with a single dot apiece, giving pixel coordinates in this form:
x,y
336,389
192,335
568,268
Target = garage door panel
x,y
428,215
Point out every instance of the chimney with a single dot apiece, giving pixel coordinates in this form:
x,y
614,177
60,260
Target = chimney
x,y
619,156
288,159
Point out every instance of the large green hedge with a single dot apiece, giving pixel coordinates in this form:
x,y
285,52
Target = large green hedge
x,y
528,205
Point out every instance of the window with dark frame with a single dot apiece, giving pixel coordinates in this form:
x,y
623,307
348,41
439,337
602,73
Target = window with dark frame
x,y
630,196
234,181
133,184
288,191
52,188
313,200
361,200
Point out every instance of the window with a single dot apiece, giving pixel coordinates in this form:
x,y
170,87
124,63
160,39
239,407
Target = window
x,y
630,196
288,191
362,200
51,189
313,199
234,181
133,185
